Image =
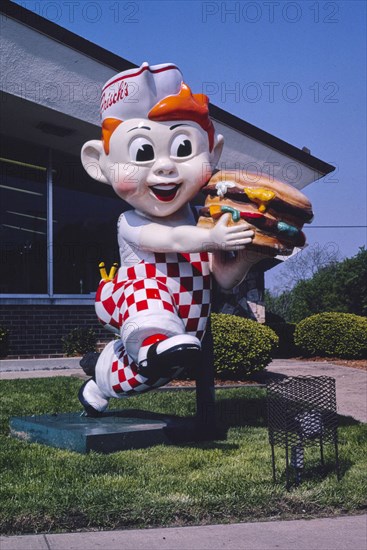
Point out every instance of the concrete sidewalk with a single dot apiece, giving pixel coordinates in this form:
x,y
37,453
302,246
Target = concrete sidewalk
x,y
11,369
351,384
341,533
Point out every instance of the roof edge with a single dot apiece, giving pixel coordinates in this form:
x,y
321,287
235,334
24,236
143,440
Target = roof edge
x,y
66,37
272,141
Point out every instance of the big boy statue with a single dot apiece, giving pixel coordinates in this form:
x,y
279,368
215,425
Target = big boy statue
x,y
158,149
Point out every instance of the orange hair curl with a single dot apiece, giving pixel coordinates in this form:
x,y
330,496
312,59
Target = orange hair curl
x,y
182,106
109,125
185,106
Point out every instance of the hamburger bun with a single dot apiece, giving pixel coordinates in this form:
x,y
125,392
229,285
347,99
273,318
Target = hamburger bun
x,y
274,210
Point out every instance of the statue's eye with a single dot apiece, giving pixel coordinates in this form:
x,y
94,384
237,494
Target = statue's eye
x,y
181,146
141,150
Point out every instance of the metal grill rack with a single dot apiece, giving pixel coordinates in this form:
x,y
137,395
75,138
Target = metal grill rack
x,y
302,412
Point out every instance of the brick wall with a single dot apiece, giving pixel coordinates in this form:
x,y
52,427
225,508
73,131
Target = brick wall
x,y
36,331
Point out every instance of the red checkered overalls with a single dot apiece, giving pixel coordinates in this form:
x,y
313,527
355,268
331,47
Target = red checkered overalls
x,y
167,293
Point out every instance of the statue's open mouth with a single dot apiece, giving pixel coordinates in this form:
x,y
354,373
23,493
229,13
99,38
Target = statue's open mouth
x,y
166,191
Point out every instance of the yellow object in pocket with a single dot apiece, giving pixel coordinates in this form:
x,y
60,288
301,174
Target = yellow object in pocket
x,y
103,272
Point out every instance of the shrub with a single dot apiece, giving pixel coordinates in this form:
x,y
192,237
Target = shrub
x,y
285,333
241,346
79,341
4,342
333,334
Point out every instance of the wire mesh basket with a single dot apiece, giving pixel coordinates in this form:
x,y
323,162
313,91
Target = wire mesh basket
x,y
302,412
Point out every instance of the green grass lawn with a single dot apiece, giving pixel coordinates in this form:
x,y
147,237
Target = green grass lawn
x,y
45,489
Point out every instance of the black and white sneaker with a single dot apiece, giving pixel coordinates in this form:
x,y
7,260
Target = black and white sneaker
x,y
89,362
91,398
169,356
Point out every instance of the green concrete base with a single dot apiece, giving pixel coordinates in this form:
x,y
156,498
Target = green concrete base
x,y
114,431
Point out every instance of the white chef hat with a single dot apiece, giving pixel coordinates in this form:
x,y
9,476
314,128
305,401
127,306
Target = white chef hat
x,y
133,93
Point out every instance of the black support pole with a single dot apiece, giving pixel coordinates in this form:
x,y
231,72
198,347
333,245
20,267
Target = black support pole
x,y
205,393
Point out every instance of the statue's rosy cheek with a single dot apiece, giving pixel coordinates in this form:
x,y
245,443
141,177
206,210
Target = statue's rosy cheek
x,y
126,178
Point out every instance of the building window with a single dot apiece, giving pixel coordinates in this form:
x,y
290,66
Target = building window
x,y
56,224
85,215
23,229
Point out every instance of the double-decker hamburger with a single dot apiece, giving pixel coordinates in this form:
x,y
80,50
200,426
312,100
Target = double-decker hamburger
x,y
275,210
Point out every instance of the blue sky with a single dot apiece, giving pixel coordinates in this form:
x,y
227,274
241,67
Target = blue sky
x,y
298,70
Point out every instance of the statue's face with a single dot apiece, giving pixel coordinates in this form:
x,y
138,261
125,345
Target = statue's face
x,y
158,167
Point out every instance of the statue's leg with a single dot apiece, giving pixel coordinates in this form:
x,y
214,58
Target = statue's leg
x,y
154,345
92,399
117,375
153,333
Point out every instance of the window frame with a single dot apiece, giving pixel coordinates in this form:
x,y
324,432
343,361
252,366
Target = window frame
x,y
50,298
